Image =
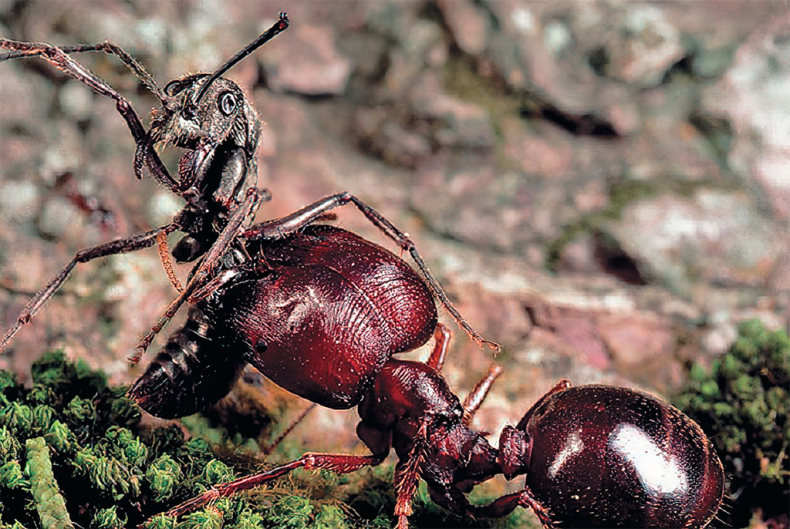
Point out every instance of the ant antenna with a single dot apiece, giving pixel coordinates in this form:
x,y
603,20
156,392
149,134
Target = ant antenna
x,y
278,27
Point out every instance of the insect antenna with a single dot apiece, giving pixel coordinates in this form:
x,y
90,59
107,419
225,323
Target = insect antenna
x,y
278,27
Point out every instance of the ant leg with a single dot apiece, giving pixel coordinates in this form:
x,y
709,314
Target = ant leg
x,y
207,267
338,463
473,401
441,338
278,228
407,476
60,60
503,506
110,49
130,244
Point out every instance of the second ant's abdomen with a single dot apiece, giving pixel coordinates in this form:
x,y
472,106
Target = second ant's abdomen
x,y
191,371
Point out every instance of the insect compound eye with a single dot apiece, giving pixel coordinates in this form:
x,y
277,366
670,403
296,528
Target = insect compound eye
x,y
227,103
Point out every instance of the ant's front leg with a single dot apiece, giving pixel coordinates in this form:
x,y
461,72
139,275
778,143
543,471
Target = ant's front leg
x,y
130,244
281,227
60,59
337,463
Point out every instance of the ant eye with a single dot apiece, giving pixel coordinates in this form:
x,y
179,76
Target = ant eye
x,y
170,88
227,103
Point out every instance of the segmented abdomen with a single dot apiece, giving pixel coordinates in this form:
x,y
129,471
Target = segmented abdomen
x,y
192,371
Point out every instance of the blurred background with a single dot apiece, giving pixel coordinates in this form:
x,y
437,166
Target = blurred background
x,y
601,186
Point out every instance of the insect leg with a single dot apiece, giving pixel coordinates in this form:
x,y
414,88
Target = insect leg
x,y
269,448
338,463
130,244
167,261
110,49
503,506
280,227
407,476
60,60
441,337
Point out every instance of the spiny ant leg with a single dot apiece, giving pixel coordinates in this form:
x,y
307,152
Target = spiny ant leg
x,y
473,401
60,60
407,476
278,228
337,463
441,336
130,244
204,272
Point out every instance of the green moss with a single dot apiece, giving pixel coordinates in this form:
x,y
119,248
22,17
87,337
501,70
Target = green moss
x,y
108,519
105,470
743,404
49,503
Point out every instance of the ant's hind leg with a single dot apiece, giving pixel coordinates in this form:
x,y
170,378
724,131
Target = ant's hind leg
x,y
130,244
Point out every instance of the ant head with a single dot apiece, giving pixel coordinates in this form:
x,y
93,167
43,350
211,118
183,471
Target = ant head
x,y
221,115
207,108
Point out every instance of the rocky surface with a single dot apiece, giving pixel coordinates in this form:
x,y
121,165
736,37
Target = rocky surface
x,y
601,186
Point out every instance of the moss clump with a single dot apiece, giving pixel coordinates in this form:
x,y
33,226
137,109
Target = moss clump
x,y
72,450
743,404
49,503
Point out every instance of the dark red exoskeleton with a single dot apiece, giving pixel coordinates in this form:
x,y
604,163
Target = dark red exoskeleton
x,y
322,312
320,318
210,118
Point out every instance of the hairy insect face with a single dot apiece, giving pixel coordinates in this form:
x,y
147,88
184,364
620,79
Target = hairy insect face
x,y
222,116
